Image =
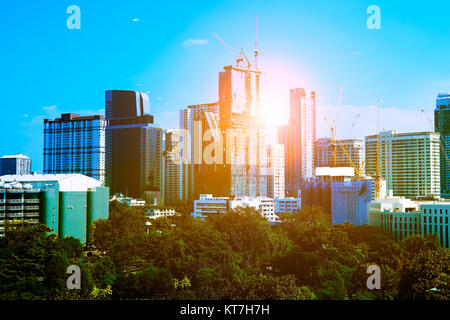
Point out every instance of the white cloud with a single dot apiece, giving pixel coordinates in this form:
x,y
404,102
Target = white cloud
x,y
190,42
49,108
135,20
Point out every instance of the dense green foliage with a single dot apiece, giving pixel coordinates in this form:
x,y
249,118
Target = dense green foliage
x,y
238,255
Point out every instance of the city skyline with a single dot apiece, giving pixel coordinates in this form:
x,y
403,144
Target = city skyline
x,y
295,47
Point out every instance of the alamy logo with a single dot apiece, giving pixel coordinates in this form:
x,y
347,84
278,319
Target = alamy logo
x,y
374,281
74,280
374,21
74,20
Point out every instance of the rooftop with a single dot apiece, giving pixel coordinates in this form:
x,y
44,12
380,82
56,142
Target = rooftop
x,y
66,182
19,155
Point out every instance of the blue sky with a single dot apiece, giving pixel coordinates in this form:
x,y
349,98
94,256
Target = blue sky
x,y
48,69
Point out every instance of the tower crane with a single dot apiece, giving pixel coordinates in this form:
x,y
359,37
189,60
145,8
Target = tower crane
x,y
333,126
377,163
353,124
239,59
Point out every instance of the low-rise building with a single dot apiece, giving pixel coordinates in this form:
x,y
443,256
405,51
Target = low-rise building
x,y
66,203
403,217
207,204
287,205
155,213
131,202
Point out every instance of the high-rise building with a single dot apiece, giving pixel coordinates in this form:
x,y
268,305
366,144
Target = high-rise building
x,y
75,144
130,138
298,138
152,146
15,164
233,148
172,168
442,125
276,171
324,153
191,120
409,162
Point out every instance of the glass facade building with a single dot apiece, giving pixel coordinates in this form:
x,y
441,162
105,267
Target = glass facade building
x,y
75,144
15,164
343,201
133,145
442,125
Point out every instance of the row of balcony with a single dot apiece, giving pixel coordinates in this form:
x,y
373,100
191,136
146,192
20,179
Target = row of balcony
x,y
34,200
16,208
19,214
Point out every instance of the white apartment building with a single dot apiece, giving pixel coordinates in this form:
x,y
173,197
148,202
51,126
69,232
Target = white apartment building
x,y
207,204
155,213
409,162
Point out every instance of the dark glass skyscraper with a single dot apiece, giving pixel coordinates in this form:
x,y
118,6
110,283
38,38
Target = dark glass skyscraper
x,y
442,125
132,144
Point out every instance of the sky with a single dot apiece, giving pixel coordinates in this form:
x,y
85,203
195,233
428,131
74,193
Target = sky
x,y
167,49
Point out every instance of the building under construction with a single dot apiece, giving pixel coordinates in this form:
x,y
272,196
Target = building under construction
x,y
342,195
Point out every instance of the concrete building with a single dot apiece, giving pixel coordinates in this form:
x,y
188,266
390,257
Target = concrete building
x,y
155,213
129,142
75,144
324,153
298,138
15,164
409,162
276,171
442,125
287,205
66,203
131,202
403,217
207,205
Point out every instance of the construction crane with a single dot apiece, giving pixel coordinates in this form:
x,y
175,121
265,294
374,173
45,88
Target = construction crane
x,y
377,163
353,124
239,59
333,127
440,137
335,142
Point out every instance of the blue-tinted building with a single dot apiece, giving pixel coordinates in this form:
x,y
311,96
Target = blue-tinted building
x,y
75,144
343,201
442,125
